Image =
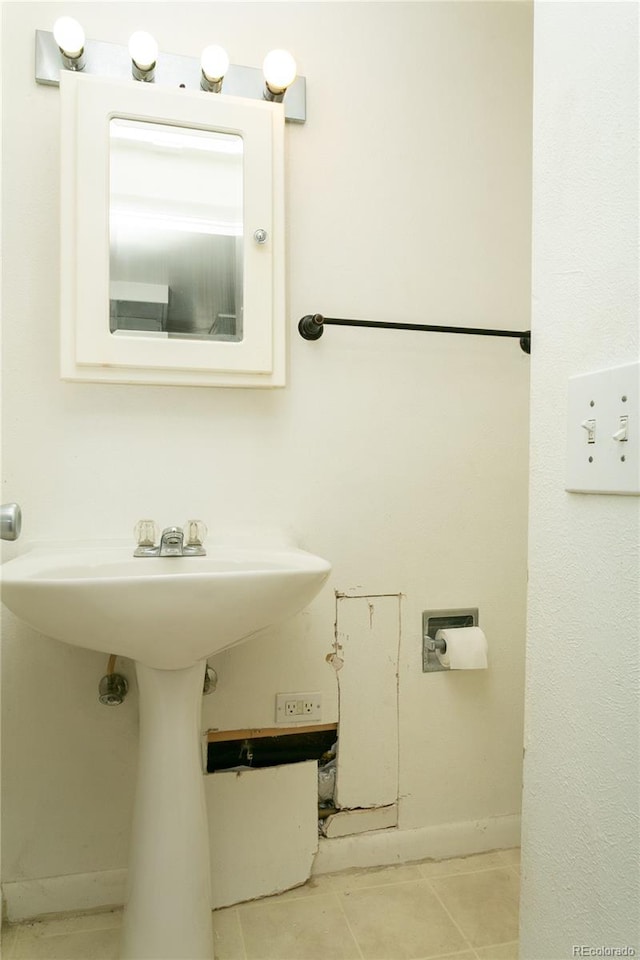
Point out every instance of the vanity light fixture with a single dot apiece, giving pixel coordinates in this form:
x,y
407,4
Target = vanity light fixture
x,y
214,63
143,51
280,71
70,38
68,50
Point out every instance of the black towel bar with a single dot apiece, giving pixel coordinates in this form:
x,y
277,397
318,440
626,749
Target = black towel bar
x,y
311,327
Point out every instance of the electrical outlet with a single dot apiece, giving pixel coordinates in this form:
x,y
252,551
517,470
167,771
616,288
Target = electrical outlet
x,y
298,707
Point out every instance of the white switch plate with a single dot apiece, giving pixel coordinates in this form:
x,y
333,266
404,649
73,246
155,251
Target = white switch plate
x,y
604,465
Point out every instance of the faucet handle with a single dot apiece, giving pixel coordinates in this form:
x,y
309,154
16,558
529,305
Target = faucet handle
x,y
194,533
10,521
146,533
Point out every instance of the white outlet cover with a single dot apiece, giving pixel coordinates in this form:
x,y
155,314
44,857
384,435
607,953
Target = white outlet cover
x,y
308,707
604,396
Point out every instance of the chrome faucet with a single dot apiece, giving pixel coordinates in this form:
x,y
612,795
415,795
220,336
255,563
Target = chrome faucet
x,y
174,541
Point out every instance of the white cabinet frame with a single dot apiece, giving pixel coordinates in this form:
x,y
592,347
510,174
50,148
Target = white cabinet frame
x,y
89,351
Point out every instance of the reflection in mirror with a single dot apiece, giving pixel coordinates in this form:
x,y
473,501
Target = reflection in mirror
x,y
175,221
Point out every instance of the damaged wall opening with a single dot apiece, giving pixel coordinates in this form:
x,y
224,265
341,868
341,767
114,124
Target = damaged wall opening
x,y
357,792
246,749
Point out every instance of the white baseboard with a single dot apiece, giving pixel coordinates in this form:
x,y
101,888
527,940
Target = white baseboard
x,y
26,899
384,847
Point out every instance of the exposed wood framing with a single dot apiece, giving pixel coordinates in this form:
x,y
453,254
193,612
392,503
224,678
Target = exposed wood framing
x,y
255,733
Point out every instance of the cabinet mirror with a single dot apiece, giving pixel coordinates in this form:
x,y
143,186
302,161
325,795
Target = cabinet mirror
x,y
173,246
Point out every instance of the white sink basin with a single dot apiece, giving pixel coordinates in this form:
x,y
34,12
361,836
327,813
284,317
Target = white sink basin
x,y
165,612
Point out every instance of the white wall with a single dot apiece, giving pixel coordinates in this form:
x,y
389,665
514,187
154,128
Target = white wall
x,y
581,874
401,457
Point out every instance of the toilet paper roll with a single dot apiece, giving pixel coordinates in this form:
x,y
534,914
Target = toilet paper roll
x,y
467,648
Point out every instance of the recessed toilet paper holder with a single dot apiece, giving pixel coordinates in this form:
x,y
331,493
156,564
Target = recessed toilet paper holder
x,y
434,620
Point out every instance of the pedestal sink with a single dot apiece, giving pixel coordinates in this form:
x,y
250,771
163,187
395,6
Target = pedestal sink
x,y
168,614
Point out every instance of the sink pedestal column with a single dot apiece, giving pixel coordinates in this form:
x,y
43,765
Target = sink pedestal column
x,y
168,911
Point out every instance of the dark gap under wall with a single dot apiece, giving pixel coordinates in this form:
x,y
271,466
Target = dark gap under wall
x,y
269,751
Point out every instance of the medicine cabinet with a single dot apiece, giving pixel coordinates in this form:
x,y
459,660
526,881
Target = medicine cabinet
x,y
172,247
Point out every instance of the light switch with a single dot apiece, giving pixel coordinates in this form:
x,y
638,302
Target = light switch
x,y
603,431
590,427
622,433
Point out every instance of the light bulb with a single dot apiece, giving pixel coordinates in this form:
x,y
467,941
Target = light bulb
x,y
143,49
214,62
69,36
279,70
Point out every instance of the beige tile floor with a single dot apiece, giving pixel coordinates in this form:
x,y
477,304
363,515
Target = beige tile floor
x,y
465,909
